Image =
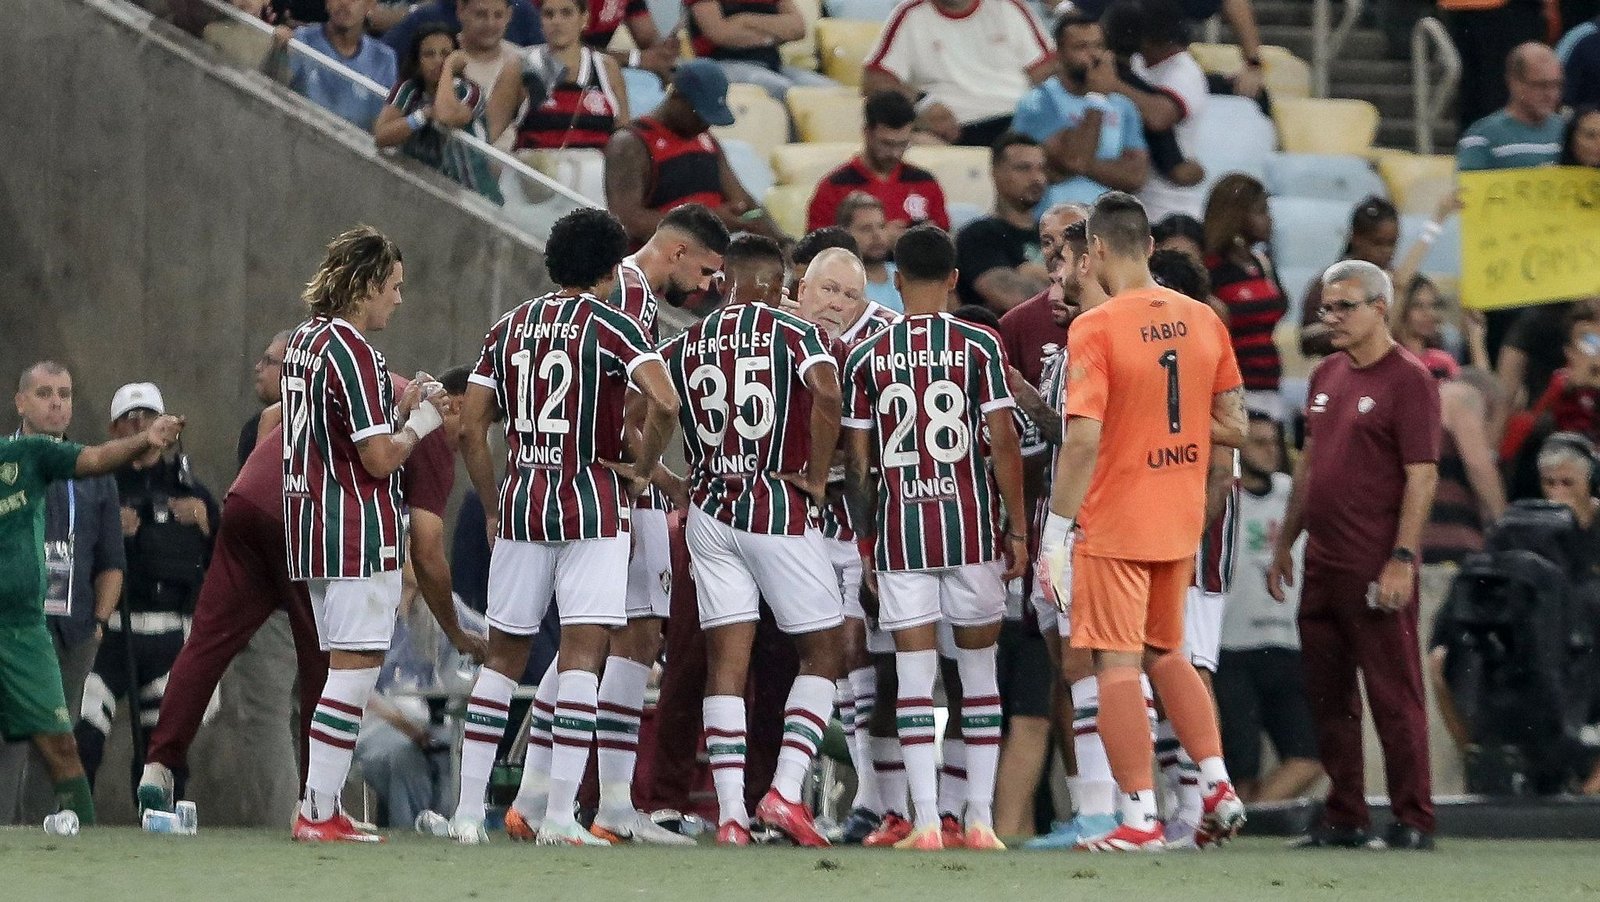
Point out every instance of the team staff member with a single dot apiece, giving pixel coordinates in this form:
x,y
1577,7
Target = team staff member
x,y
1362,491
32,705
83,550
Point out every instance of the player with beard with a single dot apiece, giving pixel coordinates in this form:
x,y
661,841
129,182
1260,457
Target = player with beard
x,y
862,215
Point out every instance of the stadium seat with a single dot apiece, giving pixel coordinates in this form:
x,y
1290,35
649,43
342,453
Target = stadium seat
x,y
843,45
1325,125
963,172
758,120
1308,233
1418,182
1285,75
750,165
961,214
1233,135
806,164
645,92
825,114
803,53
860,10
1444,258
1328,176
1295,280
787,205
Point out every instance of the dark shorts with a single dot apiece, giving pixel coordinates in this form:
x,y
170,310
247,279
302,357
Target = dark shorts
x,y
32,702
1022,664
1262,690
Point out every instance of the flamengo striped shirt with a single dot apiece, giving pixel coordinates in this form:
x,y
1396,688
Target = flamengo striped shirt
x,y
634,296
923,387
835,521
340,522
746,414
560,367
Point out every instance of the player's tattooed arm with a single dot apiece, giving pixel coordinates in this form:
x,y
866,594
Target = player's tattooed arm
x,y
1045,417
860,488
1006,457
1004,287
1228,421
479,411
1219,482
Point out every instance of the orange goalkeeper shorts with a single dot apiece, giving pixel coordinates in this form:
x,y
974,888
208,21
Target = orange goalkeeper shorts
x,y
1120,605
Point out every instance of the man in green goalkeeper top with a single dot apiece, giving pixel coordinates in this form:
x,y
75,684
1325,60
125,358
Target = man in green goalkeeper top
x,y
32,705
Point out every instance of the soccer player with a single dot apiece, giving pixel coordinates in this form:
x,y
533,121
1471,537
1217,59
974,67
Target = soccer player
x,y
760,423
682,257
832,296
559,368
922,394
33,704
1151,385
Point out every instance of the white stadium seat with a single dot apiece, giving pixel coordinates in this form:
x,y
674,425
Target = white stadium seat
x,y
750,165
1308,233
1233,135
1326,176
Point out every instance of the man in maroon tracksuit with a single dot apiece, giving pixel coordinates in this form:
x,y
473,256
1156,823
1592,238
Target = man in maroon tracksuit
x,y
1362,490
248,581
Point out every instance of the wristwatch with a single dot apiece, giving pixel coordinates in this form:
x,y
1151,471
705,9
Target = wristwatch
x,y
1404,556
1254,62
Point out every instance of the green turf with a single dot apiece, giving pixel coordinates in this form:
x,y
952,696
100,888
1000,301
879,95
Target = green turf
x,y
237,865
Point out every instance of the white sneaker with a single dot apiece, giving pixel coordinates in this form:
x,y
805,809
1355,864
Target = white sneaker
x,y
636,826
468,831
1181,835
568,834
156,787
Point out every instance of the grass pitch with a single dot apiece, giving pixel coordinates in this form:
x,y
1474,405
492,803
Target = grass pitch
x,y
238,865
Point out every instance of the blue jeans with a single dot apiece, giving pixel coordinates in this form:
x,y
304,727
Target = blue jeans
x,y
406,778
775,83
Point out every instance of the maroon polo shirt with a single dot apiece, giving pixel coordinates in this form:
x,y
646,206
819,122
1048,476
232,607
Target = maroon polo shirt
x,y
1365,424
425,482
1031,335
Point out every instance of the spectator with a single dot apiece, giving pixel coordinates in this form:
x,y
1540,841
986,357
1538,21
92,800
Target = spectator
x,y
1535,348
167,517
1242,277
1259,681
743,36
1374,232
241,43
1572,399
84,560
491,58
861,215
1182,233
1362,490
1489,37
343,37
583,103
809,246
1241,20
668,157
268,370
909,194
1166,83
966,64
1420,322
1527,131
1035,329
522,29
1581,72
1092,143
652,52
998,256
1580,144
419,115
300,12
1469,496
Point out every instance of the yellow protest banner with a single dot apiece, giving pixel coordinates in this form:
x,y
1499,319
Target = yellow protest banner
x,y
1529,236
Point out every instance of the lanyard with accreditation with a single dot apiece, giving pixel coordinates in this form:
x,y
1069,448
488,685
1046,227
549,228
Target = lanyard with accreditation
x,y
58,557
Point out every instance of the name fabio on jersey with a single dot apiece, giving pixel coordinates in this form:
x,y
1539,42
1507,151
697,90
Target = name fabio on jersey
x,y
1164,331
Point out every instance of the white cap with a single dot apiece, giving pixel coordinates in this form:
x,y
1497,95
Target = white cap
x,y
136,395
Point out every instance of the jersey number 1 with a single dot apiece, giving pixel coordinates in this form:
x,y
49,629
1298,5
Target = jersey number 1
x,y
1169,362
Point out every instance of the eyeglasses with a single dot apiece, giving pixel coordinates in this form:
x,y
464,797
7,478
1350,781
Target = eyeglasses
x,y
269,360
1340,309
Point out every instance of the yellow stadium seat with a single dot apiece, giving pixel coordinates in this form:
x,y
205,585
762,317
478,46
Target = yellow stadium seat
x,y
1286,75
806,164
787,205
825,114
803,53
1417,182
1222,59
963,172
843,45
1325,125
757,119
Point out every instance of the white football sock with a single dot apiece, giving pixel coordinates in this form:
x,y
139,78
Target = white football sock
x,y
724,719
914,720
577,693
980,729
487,710
889,767
1096,784
863,689
616,734
805,722
334,727
534,793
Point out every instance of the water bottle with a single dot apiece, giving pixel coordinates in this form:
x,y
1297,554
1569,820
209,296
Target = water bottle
x,y
161,822
62,823
188,818
432,823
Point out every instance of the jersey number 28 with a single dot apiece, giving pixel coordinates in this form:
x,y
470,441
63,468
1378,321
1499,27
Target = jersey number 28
x,y
946,437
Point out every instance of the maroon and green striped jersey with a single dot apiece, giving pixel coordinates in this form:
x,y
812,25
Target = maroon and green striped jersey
x,y
634,296
1053,391
923,388
340,521
746,413
835,521
560,368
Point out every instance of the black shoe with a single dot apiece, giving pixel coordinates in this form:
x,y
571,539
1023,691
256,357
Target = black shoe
x,y
1333,838
858,826
1402,836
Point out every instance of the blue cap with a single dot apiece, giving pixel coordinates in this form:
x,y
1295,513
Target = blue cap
x,y
703,84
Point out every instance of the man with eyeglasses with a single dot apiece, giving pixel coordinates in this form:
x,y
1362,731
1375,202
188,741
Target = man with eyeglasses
x,y
1363,487
268,370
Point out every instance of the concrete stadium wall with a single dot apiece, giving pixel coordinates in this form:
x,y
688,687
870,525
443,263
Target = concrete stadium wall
x,y
160,214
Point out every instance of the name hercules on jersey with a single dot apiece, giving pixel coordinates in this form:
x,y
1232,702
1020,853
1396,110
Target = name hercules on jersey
x,y
717,343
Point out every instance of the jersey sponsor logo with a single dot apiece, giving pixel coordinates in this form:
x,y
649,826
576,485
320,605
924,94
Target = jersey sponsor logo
x,y
1173,456
1365,404
596,103
539,457
13,503
8,473
938,488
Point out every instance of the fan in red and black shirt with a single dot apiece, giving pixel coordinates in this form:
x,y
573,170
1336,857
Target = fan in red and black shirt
x,y
1237,219
909,195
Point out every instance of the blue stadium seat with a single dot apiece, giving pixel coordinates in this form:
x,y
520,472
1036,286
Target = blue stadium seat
x,y
1327,176
754,172
1295,280
859,10
1444,258
1233,135
961,214
1308,233
645,92
667,13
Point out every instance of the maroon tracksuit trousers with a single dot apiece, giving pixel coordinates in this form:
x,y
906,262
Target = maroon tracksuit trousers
x,y
1340,635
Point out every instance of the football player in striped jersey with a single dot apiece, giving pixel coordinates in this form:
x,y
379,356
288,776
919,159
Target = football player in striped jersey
x,y
760,423
921,393
559,368
344,443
